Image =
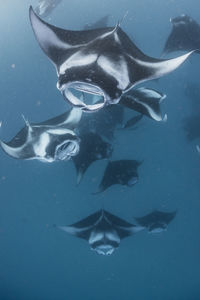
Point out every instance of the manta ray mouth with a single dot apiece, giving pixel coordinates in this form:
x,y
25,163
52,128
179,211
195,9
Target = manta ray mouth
x,y
86,96
66,150
104,249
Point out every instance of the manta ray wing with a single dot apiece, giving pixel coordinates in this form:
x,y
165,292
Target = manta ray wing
x,y
84,227
142,67
58,43
69,119
154,217
145,101
20,146
92,148
122,227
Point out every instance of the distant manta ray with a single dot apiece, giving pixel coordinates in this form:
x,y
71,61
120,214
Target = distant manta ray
x,y
45,7
103,61
122,172
184,36
100,23
156,221
102,230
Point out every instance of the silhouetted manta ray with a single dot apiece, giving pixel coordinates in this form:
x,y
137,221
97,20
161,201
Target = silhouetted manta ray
x,y
122,172
102,230
48,141
184,36
103,122
157,221
45,7
92,148
101,61
191,126
101,23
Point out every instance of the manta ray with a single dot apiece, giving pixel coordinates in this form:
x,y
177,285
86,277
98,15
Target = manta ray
x,y
104,122
102,61
184,36
45,7
48,141
157,221
100,23
122,172
102,230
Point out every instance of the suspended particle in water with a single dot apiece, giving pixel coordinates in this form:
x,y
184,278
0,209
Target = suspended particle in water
x,y
38,103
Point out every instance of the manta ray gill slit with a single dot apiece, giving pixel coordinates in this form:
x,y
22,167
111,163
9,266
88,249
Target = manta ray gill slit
x,y
84,95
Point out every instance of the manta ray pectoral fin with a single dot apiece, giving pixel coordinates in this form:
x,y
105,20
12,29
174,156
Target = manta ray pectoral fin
x,y
68,229
79,232
144,101
49,37
59,43
14,152
155,68
74,117
166,66
127,231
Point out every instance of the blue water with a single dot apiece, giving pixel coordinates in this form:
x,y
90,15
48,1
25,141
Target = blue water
x,y
38,262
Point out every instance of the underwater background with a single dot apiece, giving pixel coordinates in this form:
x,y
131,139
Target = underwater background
x,y
39,262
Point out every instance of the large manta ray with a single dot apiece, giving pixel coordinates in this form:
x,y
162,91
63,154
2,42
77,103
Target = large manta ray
x,y
102,230
45,7
184,36
101,61
48,141
157,221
